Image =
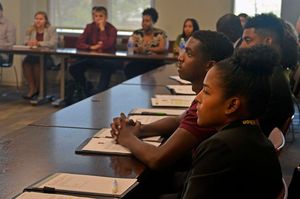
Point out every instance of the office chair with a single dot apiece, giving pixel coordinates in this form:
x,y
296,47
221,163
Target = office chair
x,y
8,64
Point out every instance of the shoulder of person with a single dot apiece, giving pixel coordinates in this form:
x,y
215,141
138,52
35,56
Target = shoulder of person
x,y
138,32
158,31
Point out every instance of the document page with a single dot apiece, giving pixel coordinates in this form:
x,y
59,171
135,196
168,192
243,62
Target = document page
x,y
39,195
182,89
157,111
109,146
89,184
105,133
146,119
178,79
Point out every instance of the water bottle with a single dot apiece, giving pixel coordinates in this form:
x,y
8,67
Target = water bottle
x,y
181,46
130,46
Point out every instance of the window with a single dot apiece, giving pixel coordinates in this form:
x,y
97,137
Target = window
x,y
252,7
123,14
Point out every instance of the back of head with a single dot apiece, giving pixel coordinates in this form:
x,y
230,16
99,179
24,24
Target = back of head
x,y
247,74
289,57
216,46
230,25
152,13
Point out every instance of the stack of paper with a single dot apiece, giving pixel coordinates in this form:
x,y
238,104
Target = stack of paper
x,y
103,143
181,89
172,100
83,185
156,111
182,81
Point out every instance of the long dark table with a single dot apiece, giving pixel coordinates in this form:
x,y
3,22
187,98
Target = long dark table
x,y
64,53
97,111
32,153
156,77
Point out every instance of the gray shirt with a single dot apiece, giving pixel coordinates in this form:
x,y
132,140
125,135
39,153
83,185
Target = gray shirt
x,y
7,34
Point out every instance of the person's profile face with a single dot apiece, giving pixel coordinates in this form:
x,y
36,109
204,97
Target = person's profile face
x,y
39,21
147,22
211,104
99,17
243,21
251,38
298,26
188,28
192,62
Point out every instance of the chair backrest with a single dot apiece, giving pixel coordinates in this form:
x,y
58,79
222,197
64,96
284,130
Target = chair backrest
x,y
9,61
284,191
277,138
294,191
287,124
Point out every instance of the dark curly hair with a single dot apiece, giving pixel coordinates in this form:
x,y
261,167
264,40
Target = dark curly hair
x,y
152,13
247,74
215,46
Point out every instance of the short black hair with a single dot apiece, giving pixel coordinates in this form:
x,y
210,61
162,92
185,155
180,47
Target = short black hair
x,y
267,25
230,25
216,46
1,8
247,74
243,15
152,13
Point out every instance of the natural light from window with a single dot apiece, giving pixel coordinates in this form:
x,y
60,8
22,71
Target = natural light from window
x,y
123,14
252,7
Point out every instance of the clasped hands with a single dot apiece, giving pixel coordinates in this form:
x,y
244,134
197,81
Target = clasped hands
x,y
123,129
32,43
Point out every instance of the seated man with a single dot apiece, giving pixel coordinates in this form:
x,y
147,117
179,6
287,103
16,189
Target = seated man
x,y
203,49
7,34
268,29
100,36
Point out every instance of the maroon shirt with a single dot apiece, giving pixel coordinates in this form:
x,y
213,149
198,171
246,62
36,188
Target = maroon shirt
x,y
92,35
189,123
39,36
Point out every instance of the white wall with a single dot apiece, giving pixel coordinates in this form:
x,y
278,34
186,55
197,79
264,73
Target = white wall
x,y
172,13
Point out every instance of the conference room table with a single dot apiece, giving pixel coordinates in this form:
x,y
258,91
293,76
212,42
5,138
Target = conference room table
x,y
32,153
64,53
97,111
48,145
157,77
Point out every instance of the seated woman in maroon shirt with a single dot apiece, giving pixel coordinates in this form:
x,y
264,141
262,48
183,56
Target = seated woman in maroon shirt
x,y
101,36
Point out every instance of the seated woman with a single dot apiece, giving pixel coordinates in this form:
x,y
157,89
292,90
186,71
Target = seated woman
x,y
190,25
238,161
40,34
148,40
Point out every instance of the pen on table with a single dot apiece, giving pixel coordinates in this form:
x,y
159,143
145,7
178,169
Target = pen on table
x,y
114,186
153,113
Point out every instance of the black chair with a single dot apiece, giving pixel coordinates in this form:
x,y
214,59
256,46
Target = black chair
x,y
294,190
7,64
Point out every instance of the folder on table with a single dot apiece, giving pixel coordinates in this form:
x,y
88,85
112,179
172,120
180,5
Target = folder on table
x,y
182,81
86,186
103,143
157,111
181,89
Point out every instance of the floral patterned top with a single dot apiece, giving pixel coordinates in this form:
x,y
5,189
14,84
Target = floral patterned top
x,y
158,35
